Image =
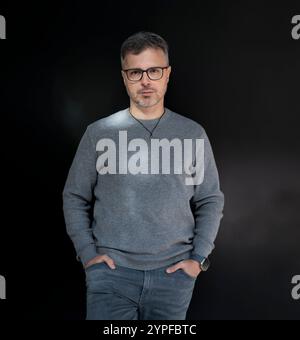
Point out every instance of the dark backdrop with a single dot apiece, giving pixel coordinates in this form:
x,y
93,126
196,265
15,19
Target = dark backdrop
x,y
235,70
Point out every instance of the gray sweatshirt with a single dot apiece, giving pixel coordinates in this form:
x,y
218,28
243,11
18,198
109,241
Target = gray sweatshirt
x,y
120,199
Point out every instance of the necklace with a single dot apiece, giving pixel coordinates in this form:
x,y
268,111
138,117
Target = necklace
x,y
151,132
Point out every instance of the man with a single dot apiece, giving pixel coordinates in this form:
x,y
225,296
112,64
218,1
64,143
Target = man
x,y
142,230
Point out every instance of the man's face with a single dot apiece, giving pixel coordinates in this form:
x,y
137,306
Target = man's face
x,y
157,88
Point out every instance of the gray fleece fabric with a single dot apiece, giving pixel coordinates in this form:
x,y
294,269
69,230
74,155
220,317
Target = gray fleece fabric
x,y
143,217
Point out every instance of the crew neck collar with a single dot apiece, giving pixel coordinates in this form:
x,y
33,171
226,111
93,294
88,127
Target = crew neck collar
x,y
164,117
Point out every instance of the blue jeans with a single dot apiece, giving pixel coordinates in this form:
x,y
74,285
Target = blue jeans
x,y
129,294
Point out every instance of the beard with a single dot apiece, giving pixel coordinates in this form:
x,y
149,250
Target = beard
x,y
147,100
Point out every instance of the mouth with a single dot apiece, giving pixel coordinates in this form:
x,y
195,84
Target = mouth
x,y
146,92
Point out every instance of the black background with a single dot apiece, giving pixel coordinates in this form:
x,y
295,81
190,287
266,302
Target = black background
x,y
235,70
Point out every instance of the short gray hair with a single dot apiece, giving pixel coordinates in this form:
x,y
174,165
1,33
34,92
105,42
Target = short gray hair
x,y
140,41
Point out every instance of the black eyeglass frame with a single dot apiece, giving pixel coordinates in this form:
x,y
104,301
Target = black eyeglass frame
x,y
142,74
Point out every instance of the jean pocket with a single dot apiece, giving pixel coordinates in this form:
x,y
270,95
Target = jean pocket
x,y
186,275
95,266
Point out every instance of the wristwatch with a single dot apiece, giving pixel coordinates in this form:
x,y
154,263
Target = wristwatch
x,y
204,264
203,261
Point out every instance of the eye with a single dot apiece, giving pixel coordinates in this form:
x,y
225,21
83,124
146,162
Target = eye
x,y
134,72
154,70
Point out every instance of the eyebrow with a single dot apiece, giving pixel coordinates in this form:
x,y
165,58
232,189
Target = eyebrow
x,y
138,68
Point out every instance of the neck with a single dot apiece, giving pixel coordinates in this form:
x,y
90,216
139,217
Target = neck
x,y
147,112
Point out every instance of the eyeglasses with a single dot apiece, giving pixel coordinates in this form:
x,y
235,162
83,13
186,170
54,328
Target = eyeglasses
x,y
153,73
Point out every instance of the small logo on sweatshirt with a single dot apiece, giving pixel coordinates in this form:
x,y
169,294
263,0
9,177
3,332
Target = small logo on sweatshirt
x,y
2,288
135,157
2,27
296,288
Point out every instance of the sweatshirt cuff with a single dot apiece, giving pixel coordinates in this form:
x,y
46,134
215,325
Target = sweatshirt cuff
x,y
87,254
197,257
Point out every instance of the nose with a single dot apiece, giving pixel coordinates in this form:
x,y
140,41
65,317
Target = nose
x,y
145,79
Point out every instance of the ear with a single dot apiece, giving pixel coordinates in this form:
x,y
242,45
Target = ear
x,y
123,76
169,72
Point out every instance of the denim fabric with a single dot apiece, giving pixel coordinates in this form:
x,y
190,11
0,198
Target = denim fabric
x,y
130,294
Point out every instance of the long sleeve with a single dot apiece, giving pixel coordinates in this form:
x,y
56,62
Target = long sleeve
x,y
207,205
78,198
